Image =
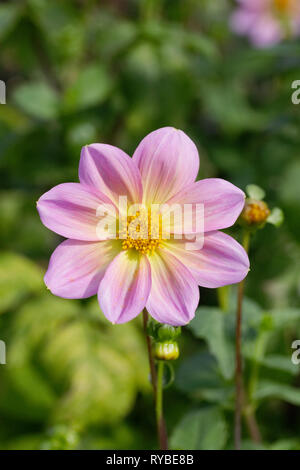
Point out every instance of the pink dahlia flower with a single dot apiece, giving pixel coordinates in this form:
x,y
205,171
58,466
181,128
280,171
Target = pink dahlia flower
x,y
267,22
129,274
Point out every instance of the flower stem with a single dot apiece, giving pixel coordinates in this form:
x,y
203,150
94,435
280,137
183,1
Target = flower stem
x,y
238,357
223,297
252,424
161,428
238,371
242,402
157,385
150,355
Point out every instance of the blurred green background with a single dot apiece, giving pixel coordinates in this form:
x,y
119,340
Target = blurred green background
x,y
79,72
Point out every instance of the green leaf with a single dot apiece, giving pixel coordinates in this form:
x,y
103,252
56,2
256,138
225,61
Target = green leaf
x,y
253,314
226,103
8,16
80,134
199,377
198,372
286,444
26,441
289,184
203,429
114,38
14,118
250,445
63,25
268,389
60,437
200,44
91,88
209,324
95,368
276,217
276,362
38,100
282,317
255,192
18,278
27,392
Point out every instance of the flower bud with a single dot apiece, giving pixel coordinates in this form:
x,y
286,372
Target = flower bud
x,y
166,351
168,332
254,214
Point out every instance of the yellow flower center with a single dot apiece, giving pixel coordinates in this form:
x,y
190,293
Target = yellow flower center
x,y
141,232
255,212
282,6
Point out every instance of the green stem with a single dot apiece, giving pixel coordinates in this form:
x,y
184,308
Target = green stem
x,y
238,370
223,298
157,385
246,240
241,400
159,395
163,443
238,356
150,355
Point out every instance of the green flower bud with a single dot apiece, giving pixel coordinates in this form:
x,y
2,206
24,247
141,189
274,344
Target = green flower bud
x,y
166,351
168,332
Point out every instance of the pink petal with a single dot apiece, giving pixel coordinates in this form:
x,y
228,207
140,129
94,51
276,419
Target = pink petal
x,y
295,24
76,268
111,171
266,32
168,160
258,20
221,261
295,18
174,293
242,20
125,288
70,209
220,203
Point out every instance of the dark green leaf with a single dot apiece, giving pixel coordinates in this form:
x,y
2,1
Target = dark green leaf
x,y
199,430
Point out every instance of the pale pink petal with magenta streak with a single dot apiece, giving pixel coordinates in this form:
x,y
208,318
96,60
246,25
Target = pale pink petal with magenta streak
x,y
168,160
125,288
219,203
174,293
111,171
70,209
77,267
221,260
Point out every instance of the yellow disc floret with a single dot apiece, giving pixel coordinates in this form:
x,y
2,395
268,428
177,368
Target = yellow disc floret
x,y
254,212
282,6
142,231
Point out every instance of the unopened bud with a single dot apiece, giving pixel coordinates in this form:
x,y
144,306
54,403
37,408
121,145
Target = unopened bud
x,y
168,332
166,351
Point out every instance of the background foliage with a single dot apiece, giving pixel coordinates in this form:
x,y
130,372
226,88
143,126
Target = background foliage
x,y
111,71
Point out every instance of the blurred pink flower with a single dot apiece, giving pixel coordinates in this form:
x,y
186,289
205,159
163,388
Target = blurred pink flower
x,y
267,22
128,274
